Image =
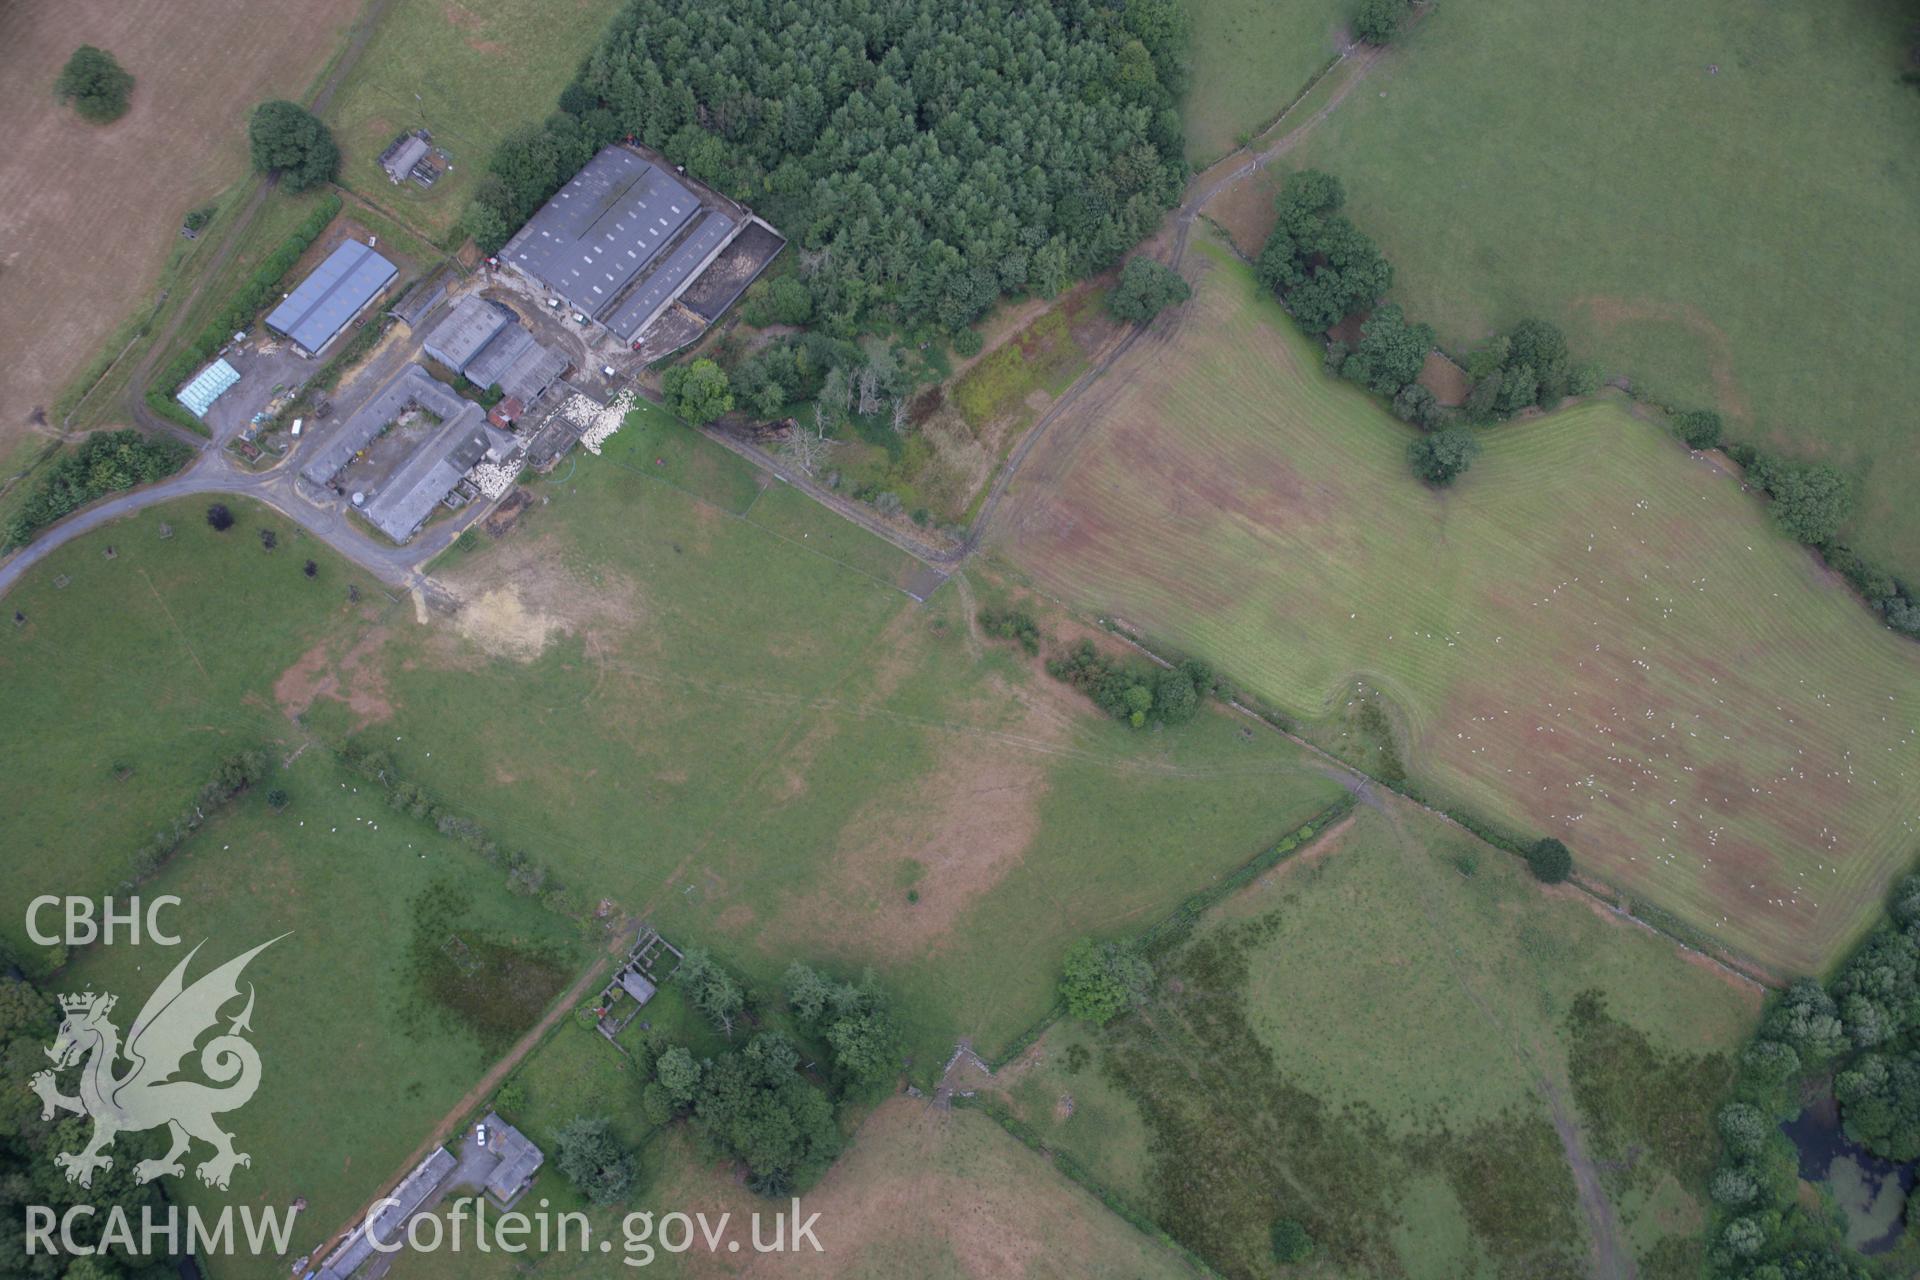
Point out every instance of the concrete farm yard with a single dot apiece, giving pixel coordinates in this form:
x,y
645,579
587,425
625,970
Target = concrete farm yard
x,y
1593,636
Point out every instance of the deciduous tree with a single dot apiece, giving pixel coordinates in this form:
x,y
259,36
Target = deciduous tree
x,y
291,141
97,86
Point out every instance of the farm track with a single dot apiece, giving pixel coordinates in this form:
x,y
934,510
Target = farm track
x,y
494,1077
212,474
1610,1261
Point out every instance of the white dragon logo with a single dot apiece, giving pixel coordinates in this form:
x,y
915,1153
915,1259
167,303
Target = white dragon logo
x,y
146,1095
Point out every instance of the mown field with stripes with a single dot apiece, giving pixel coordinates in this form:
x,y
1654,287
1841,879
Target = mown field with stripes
x,y
1592,635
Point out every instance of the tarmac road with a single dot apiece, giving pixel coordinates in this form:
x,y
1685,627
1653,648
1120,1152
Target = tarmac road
x,y
214,474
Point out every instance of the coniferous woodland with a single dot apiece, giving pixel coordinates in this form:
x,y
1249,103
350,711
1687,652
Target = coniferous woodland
x,y
925,157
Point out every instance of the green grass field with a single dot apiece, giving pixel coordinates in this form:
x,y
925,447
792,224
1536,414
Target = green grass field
x,y
746,734
157,663
1591,635
707,703
470,74
1369,1037
1250,58
360,1057
1518,159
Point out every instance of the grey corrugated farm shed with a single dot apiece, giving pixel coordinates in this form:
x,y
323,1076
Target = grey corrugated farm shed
x,y
434,469
456,340
651,294
403,156
412,385
517,364
597,232
320,307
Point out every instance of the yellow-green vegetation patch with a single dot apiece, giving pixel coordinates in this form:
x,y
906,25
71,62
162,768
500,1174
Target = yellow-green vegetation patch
x,y
1676,257
470,74
1591,635
1382,1041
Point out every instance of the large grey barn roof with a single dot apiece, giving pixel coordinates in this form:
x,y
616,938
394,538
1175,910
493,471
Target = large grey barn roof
x,y
601,228
517,364
456,340
650,294
433,470
350,277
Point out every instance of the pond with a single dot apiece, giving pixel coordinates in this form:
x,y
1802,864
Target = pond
x,y
1871,1192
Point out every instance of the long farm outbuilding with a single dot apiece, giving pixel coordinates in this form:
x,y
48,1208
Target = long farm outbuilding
x,y
344,284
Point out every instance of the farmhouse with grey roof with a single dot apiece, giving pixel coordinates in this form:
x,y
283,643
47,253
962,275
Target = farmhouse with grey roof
x,y
519,1160
313,315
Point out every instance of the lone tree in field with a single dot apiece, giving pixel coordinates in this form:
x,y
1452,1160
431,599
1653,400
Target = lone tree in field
x,y
1442,456
698,392
1291,1243
219,517
96,85
1550,861
289,140
1102,980
1378,21
1146,289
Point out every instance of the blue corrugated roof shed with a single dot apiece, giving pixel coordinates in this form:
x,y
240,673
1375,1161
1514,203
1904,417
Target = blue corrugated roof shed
x,y
207,386
351,277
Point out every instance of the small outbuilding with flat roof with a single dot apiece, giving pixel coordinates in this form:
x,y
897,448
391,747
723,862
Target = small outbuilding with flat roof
x,y
339,289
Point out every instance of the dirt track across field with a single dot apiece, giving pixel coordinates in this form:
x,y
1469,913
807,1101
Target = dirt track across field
x,y
496,1076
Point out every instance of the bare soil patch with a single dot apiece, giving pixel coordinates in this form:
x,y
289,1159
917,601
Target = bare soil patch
x,y
1447,380
971,821
354,677
524,596
929,1191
